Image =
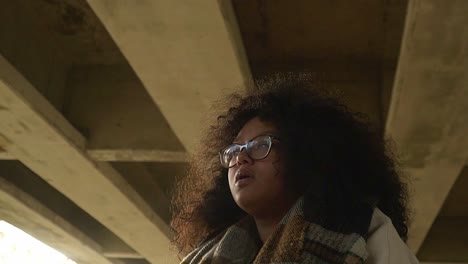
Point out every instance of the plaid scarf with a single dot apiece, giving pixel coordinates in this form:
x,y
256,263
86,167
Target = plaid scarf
x,y
296,240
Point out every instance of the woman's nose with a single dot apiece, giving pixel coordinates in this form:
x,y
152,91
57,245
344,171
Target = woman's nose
x,y
243,158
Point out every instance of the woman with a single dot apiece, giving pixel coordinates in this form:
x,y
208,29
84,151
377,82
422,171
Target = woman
x,y
287,175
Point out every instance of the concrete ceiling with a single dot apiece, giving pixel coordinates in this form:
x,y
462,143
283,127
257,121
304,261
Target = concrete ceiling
x,y
348,48
308,33
101,100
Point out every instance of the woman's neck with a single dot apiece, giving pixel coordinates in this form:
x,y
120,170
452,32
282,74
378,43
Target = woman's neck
x,y
268,221
266,226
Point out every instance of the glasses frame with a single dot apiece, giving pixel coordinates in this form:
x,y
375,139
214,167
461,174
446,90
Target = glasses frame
x,y
244,146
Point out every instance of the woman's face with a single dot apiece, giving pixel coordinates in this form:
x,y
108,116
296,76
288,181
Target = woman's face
x,y
258,186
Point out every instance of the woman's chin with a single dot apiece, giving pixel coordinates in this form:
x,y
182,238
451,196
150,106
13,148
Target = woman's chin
x,y
246,200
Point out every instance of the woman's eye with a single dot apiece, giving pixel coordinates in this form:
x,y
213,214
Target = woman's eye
x,y
260,146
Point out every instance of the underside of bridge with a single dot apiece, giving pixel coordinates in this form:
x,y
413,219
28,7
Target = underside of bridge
x,y
102,101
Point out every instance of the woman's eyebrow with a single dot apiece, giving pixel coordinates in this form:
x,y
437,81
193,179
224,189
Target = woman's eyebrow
x,y
264,133
236,141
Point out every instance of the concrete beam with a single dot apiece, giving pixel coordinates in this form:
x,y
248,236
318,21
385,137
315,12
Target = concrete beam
x,y
119,155
24,180
186,54
42,139
427,115
5,155
25,212
137,155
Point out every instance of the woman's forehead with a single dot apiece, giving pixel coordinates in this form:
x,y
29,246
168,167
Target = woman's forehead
x,y
254,128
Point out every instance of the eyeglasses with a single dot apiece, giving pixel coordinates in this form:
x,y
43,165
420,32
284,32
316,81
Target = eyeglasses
x,y
257,149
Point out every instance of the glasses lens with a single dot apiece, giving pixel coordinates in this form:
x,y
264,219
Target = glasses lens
x,y
228,155
259,147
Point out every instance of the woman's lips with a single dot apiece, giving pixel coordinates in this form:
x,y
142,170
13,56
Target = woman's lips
x,y
243,179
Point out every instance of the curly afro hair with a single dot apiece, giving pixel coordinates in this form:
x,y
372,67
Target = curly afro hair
x,y
330,150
